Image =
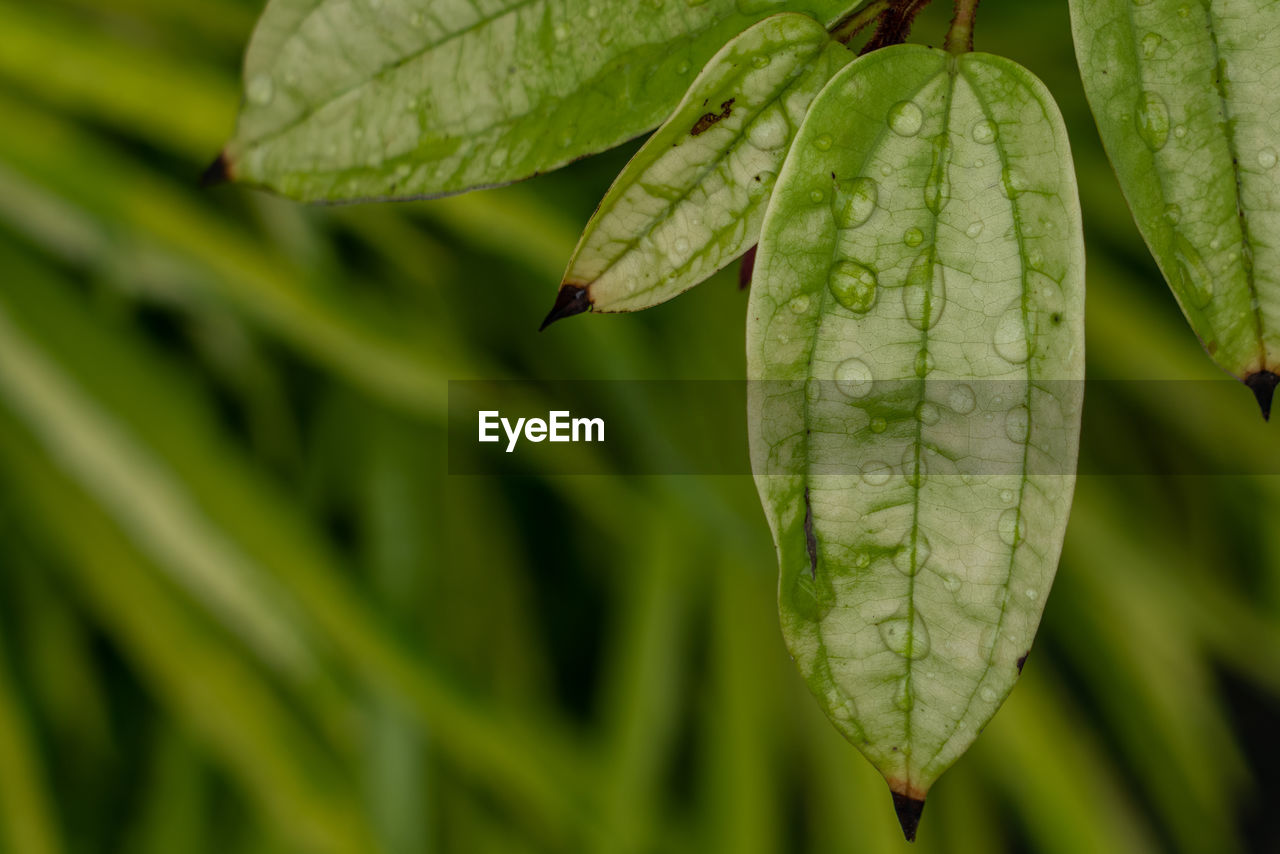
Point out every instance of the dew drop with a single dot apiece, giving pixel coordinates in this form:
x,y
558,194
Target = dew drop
x,y
905,118
768,133
987,642
928,414
903,697
984,132
924,363
908,638
1014,182
816,196
1151,43
1173,213
1153,120
1194,273
1011,335
989,695
1011,527
760,60
1032,594
1180,131
853,378
876,474
973,230
913,237
1006,496
879,425
823,142
800,304
260,90
853,285
761,184
681,246
683,68
1267,158
924,295
1017,423
962,400
914,469
952,583
855,201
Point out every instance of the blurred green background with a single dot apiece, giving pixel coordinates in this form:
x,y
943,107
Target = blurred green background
x,y
244,608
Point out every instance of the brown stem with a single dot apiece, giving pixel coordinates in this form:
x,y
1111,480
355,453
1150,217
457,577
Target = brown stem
x,y
895,24
848,27
960,36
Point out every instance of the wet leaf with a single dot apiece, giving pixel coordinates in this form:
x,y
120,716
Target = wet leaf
x,y
916,398
1185,99
399,98
693,198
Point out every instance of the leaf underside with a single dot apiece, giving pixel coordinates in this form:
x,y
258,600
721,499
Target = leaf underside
x,y
693,198
917,368
1184,95
363,99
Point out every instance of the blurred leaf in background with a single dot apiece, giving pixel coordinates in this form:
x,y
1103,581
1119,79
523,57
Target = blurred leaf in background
x,y
244,608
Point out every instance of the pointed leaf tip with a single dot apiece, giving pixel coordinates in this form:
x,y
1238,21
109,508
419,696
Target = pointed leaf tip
x,y
908,810
571,300
219,172
748,268
1263,385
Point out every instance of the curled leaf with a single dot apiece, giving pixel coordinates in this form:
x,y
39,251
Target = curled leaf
x,y
917,368
693,198
1185,99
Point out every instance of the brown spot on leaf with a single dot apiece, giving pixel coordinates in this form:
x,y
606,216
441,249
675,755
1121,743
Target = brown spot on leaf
x,y
1022,659
708,119
810,538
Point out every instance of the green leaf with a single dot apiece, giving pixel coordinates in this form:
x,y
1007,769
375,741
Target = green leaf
x,y
693,198
1185,99
378,98
917,369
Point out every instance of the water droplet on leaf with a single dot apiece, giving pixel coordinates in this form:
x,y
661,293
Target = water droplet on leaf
x,y
905,118
854,286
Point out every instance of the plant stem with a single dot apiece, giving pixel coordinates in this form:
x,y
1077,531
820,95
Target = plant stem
x,y
960,36
895,24
848,27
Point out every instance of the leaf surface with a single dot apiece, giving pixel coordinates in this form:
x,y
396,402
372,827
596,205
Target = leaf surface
x,y
1184,95
693,198
916,394
358,99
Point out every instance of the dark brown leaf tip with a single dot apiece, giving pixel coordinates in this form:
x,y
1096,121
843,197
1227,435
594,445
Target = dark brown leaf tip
x,y
571,300
219,172
1263,385
908,810
748,266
